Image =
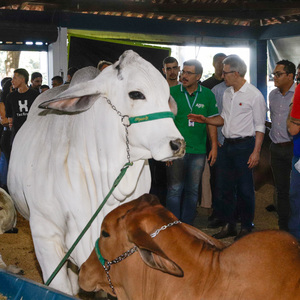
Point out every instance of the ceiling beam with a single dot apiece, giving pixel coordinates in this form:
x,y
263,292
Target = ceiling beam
x,y
239,9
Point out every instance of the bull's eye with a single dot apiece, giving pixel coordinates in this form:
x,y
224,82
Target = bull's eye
x,y
104,233
136,95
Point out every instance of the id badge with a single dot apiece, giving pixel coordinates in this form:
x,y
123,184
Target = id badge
x,y
191,123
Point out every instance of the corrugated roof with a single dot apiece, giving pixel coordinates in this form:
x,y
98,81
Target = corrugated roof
x,y
229,12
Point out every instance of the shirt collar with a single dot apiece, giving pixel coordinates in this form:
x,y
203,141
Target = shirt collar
x,y
242,89
292,89
183,89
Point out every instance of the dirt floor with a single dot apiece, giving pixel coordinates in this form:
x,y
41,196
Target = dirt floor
x,y
17,249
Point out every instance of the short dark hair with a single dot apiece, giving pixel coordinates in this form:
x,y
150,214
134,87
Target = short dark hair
x,y
289,67
59,79
196,63
216,56
35,75
169,60
44,86
5,90
71,71
24,73
5,79
298,67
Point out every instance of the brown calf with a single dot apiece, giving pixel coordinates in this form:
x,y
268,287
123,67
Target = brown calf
x,y
181,262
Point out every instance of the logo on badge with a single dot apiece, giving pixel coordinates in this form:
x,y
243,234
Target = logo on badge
x,y
199,105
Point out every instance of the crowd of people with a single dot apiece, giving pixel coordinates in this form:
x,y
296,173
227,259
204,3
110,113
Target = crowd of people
x,y
223,121
230,114
16,97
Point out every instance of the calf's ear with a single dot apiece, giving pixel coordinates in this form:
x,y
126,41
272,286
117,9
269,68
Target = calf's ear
x,y
156,261
151,253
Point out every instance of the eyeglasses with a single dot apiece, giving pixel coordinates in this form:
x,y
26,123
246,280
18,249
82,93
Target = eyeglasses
x,y
187,73
278,74
225,73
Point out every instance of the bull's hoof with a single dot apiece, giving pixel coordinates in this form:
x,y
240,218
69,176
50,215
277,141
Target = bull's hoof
x,y
15,270
13,230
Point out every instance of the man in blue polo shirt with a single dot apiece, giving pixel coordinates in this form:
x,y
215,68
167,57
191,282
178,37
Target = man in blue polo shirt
x,y
184,175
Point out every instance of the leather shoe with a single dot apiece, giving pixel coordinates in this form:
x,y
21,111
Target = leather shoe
x,y
226,231
243,232
215,223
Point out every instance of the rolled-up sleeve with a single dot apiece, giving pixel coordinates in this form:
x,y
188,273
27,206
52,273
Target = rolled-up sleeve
x,y
259,113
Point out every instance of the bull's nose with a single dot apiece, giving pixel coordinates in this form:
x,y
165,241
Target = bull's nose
x,y
178,147
175,145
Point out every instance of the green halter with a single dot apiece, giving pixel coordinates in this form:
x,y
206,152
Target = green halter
x,y
99,255
151,117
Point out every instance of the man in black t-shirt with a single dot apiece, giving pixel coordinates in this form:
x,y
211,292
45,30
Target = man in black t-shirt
x,y
216,78
19,101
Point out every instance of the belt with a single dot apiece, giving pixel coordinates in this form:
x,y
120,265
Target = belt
x,y
238,140
285,144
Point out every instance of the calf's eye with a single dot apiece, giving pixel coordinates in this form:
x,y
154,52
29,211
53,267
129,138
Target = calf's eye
x,y
136,95
104,233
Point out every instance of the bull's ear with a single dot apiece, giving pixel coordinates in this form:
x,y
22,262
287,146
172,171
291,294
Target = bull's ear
x,y
151,253
173,105
70,104
85,88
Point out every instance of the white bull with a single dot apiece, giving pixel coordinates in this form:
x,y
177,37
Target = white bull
x,y
65,158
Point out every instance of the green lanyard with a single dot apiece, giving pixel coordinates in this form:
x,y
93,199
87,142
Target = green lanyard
x,y
188,101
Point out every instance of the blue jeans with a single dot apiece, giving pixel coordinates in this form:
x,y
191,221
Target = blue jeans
x,y
238,180
3,169
216,178
183,178
294,221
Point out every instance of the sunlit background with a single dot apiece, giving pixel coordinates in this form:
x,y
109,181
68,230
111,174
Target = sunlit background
x,y
34,61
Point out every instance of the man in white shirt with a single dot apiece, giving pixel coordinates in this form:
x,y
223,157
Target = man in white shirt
x,y
243,117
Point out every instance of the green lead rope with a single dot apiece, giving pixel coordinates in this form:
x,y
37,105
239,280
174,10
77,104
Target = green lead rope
x,y
116,182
